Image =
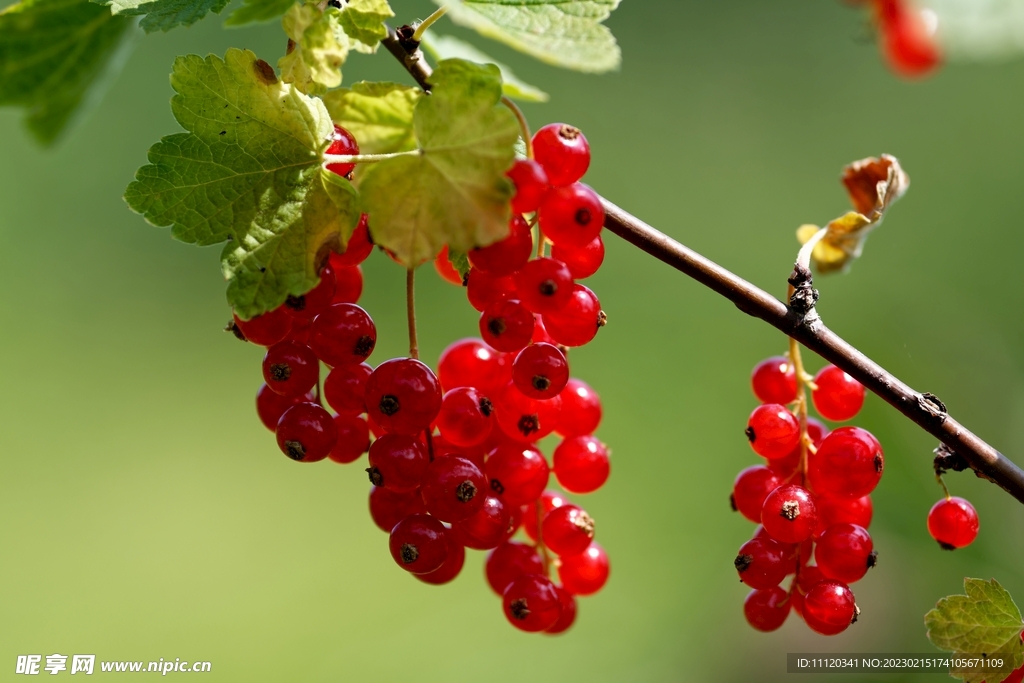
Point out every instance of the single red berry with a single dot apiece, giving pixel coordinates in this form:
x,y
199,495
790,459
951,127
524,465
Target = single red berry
x,y
388,508
829,607
582,261
306,432
508,562
403,396
345,388
848,464
453,489
773,431
531,603
540,371
506,256
419,544
586,573
762,563
344,334
750,489
466,416
567,530
581,409
452,564
767,609
301,330
472,363
290,369
516,473
581,464
845,552
398,462
562,150
533,513
774,381
482,289
487,528
270,405
445,269
907,42
343,143
353,439
531,183
544,285
315,301
267,329
832,511
348,285
567,615
578,321
358,248
789,514
526,419
838,396
953,522
571,216
507,325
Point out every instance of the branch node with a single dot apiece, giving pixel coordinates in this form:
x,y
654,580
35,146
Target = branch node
x,y
933,408
405,39
805,296
946,459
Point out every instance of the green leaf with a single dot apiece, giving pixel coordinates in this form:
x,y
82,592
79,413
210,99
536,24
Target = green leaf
x,y
363,21
565,33
319,48
448,47
56,56
460,262
163,15
379,115
454,191
985,621
257,10
247,171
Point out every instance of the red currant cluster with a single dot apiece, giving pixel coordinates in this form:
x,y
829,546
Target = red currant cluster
x,y
455,463
811,498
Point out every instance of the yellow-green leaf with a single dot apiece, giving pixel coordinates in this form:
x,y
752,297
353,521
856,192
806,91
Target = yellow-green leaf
x,y
379,115
449,47
318,49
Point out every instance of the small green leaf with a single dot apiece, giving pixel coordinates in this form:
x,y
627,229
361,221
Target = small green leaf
x,y
163,15
565,33
363,21
318,50
985,621
56,56
454,191
257,10
460,262
247,171
379,115
448,47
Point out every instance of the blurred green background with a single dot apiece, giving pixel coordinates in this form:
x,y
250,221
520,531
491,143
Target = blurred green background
x,y
146,513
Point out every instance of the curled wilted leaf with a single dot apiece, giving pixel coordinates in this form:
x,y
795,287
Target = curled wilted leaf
x,y
873,185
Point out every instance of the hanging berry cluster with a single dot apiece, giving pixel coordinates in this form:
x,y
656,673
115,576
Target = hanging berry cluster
x,y
455,463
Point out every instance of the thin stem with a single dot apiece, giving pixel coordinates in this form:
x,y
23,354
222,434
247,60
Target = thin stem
x,y
365,158
801,405
422,27
804,257
942,483
410,308
524,125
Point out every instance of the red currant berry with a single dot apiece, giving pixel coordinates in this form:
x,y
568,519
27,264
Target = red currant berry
x,y
789,514
344,334
582,261
581,464
508,562
540,371
342,142
506,256
445,269
767,609
345,388
516,473
486,529
829,607
838,396
419,544
353,439
773,431
403,396
267,329
472,363
832,511
774,381
567,615
907,43
270,405
531,183
848,464
290,369
533,513
466,417
315,301
482,289
358,248
301,330
578,321
453,489
762,563
306,432
348,285
531,603
845,552
563,151
388,508
506,325
571,216
452,564
752,486
586,573
544,285
581,409
526,419
567,530
953,522
398,462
